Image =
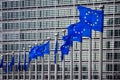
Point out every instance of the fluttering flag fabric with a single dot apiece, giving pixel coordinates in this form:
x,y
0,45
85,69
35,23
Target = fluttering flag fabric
x,y
12,63
5,67
55,50
1,64
24,65
66,45
40,50
19,62
47,47
94,18
43,49
32,53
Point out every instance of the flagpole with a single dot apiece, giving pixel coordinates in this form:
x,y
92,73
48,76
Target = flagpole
x,y
101,51
18,70
63,62
48,63
80,62
42,73
24,73
71,63
36,66
7,65
56,37
13,68
30,65
90,59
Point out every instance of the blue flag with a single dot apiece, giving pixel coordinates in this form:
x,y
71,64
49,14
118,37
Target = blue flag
x,y
40,50
94,18
47,47
12,63
1,64
24,65
55,50
32,53
5,67
43,49
66,45
19,62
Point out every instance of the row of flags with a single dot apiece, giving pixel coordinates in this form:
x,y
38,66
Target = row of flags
x,y
89,20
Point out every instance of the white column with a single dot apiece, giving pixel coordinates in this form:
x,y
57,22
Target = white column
x,y
63,62
90,59
80,62
30,66
101,51
48,63
56,38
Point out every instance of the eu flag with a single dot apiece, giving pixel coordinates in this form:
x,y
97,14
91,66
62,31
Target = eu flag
x,y
47,47
93,18
19,62
12,63
1,64
24,65
5,67
55,50
79,30
32,53
43,49
40,50
66,45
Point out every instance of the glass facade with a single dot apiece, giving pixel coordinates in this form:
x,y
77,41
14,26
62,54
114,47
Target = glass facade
x,y
25,22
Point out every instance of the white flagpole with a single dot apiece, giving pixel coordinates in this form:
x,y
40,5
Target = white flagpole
x,y
24,73
56,37
90,59
35,67
48,63
13,68
30,66
63,62
18,70
101,51
80,62
42,73
7,65
71,63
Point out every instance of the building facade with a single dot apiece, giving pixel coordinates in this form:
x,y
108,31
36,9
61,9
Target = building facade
x,y
26,22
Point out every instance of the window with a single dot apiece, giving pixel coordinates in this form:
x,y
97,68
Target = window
x,y
108,67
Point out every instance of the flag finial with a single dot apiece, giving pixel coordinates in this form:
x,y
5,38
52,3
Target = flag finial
x,y
101,6
56,34
48,38
30,46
